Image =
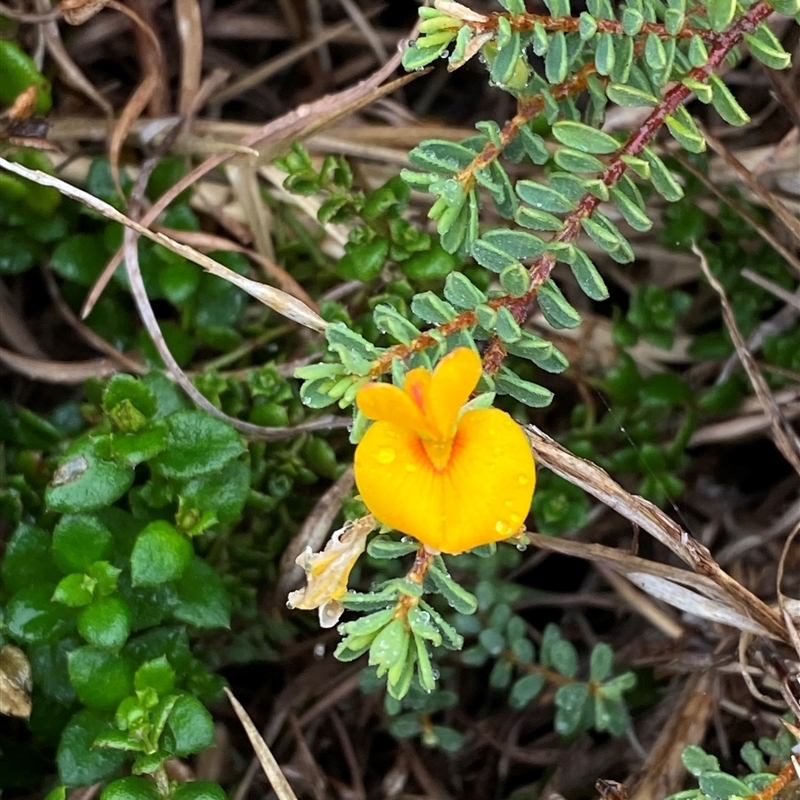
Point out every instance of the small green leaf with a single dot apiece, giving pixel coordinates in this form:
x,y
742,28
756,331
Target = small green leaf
x,y
556,62
543,197
663,180
78,541
202,599
555,307
587,26
573,702
456,596
632,21
720,13
604,56
79,762
654,52
79,258
392,322
681,125
384,547
363,261
525,690
439,155
462,292
197,443
575,161
199,790
697,761
223,493
540,352
533,145
101,678
430,307
74,590
160,554
506,62
608,240
764,46
537,220
389,648
725,103
156,674
601,662
588,278
631,211
630,96
131,788
698,54
190,728
84,481
515,280
31,616
27,559
506,326
418,57
106,623
531,394
584,138
721,786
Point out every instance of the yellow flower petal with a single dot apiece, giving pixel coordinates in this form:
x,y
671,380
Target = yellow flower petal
x,y
388,403
416,386
483,495
456,375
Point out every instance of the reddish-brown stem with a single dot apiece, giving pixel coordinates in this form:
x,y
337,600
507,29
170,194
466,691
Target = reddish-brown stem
x,y
527,22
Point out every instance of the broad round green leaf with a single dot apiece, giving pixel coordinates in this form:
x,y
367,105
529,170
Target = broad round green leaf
x,y
101,678
78,541
106,623
80,764
197,443
160,554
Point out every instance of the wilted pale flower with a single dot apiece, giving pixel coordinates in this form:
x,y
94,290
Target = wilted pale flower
x,y
454,480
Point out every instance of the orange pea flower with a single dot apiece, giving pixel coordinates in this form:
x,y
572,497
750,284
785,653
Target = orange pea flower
x,y
452,480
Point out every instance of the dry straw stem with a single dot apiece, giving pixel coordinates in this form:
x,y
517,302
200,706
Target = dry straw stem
x,y
277,300
741,607
264,755
663,772
783,434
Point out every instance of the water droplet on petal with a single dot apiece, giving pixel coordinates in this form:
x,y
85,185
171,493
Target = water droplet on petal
x,y
522,547
502,528
492,431
522,479
514,519
385,455
508,504
411,467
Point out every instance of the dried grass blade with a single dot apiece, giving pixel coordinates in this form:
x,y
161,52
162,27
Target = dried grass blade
x,y
277,300
650,518
783,434
141,97
268,763
69,373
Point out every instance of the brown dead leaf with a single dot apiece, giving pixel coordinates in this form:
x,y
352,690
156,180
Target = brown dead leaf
x,y
24,103
76,12
648,517
327,572
15,682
